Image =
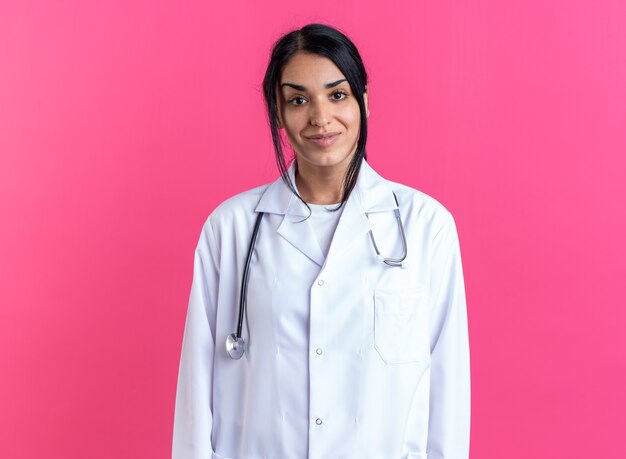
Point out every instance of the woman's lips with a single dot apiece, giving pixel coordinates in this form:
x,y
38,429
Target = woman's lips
x,y
324,140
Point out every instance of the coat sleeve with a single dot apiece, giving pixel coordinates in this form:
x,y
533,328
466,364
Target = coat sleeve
x,y
449,413
193,419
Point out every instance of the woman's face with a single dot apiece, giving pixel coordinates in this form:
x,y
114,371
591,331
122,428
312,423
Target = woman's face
x,y
319,113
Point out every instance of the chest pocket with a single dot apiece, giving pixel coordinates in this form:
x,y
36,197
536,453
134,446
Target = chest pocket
x,y
401,331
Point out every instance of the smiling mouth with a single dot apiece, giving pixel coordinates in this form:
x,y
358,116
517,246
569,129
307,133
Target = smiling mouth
x,y
324,140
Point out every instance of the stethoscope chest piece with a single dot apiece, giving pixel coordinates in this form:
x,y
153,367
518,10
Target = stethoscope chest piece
x,y
235,347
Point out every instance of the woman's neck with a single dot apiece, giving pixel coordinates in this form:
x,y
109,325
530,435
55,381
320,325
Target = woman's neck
x,y
320,185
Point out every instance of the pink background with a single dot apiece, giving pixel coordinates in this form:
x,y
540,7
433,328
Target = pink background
x,y
124,123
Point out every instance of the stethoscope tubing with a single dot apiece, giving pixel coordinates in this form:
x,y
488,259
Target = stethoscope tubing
x,y
246,271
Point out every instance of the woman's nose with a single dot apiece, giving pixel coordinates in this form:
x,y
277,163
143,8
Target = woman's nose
x,y
320,114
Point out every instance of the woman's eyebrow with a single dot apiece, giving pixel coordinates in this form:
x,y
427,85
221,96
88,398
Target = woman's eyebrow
x,y
303,88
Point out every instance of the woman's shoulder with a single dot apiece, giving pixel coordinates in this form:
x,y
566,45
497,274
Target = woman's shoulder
x,y
418,198
245,201
237,210
421,205
410,200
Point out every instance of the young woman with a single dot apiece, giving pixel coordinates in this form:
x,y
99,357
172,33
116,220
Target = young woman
x,y
327,313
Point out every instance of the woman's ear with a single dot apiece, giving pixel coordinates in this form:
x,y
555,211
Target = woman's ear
x,y
367,108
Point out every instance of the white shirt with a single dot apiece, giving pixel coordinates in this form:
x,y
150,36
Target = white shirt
x,y
347,357
324,221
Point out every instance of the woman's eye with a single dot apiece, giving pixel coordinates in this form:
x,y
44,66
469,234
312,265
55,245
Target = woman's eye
x,y
298,100
339,95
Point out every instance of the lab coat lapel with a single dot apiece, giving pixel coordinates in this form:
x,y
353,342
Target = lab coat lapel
x,y
299,233
371,193
295,228
352,224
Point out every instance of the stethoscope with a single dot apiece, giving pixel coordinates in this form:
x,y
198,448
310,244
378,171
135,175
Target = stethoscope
x,y
235,344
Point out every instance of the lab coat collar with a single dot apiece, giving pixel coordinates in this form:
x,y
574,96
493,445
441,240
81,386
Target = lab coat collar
x,y
371,193
279,199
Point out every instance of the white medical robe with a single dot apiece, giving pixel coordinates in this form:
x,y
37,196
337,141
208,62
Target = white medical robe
x,y
347,357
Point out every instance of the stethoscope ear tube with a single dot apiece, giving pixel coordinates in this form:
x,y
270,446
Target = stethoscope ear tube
x,y
389,261
235,344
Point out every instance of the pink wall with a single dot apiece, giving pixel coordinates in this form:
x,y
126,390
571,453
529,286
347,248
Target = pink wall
x,y
124,123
